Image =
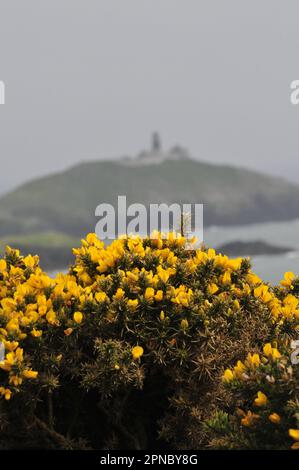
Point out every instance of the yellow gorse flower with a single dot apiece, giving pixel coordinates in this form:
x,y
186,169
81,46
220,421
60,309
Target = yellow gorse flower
x,y
288,279
250,419
30,374
5,392
228,376
262,292
163,274
137,352
149,293
274,418
294,434
269,351
101,297
3,265
239,369
212,288
132,304
159,296
36,333
226,278
253,360
182,296
162,315
184,324
78,317
261,399
120,293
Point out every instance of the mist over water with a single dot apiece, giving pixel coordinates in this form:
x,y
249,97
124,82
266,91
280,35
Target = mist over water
x,y
269,267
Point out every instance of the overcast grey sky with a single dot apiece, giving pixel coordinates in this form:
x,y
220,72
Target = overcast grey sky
x,y
91,79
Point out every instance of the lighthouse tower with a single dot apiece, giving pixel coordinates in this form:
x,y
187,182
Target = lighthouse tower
x,y
155,154
156,146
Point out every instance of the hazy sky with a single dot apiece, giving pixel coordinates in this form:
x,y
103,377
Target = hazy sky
x,y
91,79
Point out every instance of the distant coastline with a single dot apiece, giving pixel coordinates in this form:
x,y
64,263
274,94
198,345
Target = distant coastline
x,y
252,248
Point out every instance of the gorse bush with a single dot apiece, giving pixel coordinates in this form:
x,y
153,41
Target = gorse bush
x,y
129,348
264,392
265,399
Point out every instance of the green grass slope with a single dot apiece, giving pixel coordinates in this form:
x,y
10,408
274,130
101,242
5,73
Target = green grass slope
x,y
65,202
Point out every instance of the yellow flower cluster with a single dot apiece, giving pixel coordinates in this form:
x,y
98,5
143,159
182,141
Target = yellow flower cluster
x,y
31,303
285,305
277,403
294,434
134,274
240,371
151,288
23,307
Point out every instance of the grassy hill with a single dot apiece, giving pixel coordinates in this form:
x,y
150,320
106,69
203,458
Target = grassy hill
x,y
65,202
53,248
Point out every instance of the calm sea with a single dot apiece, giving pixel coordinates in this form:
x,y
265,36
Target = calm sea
x,y
270,267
